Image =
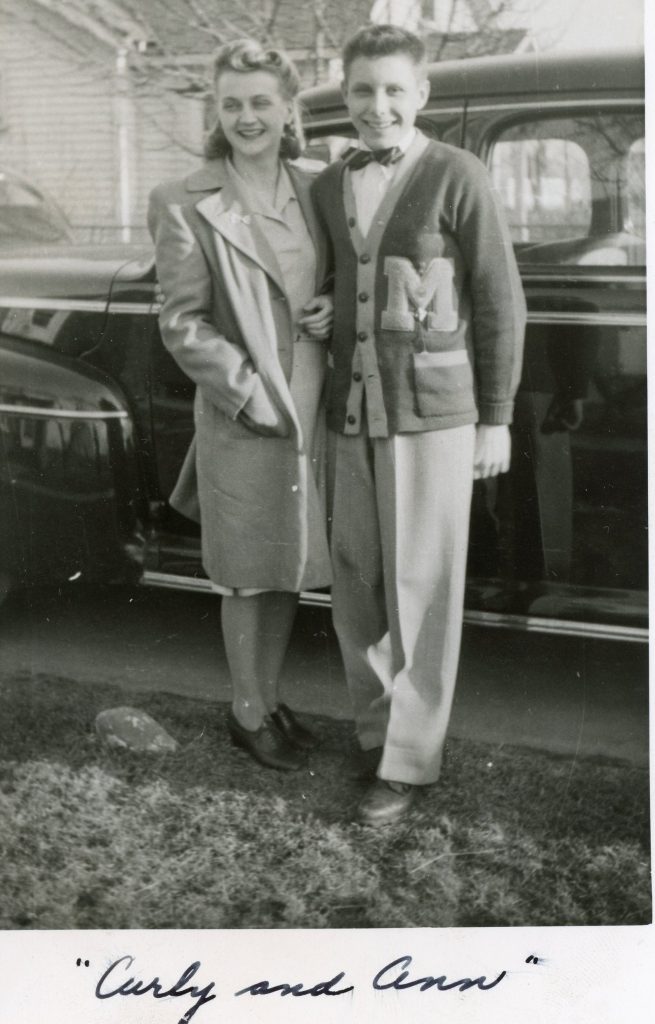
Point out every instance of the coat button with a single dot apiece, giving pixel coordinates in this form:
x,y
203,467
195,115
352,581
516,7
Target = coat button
x,y
357,376
363,296
351,419
351,222
362,336
365,258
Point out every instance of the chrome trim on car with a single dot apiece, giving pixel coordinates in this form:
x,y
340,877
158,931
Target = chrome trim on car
x,y
497,620
70,305
558,276
557,104
78,305
134,307
144,308
561,627
38,412
615,319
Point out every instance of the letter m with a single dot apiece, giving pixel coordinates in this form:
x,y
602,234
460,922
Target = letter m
x,y
412,295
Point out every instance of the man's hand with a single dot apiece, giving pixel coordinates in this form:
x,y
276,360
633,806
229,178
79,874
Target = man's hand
x,y
493,448
317,321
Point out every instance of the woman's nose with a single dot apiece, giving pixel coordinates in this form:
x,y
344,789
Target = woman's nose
x,y
247,115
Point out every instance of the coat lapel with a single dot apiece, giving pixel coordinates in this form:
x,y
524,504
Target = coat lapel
x,y
302,182
224,211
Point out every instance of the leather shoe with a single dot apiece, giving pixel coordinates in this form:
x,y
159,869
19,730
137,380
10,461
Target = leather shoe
x,y
294,733
265,744
386,803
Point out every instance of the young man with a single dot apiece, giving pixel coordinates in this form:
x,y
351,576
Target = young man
x,y
428,332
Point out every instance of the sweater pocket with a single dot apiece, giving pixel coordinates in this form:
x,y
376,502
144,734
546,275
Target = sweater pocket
x,y
443,382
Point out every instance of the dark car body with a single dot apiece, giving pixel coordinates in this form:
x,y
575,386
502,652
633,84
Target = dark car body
x,y
95,417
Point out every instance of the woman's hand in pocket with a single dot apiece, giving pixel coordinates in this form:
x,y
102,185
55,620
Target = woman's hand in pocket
x,y
318,316
260,415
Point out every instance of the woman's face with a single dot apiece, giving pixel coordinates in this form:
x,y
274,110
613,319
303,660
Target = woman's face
x,y
252,112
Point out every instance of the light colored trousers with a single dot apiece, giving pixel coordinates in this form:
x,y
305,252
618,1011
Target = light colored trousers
x,y
399,544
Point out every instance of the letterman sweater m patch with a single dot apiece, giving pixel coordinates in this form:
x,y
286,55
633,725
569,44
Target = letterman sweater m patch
x,y
429,309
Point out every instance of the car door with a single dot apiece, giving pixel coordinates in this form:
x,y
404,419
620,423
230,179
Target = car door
x,y
564,536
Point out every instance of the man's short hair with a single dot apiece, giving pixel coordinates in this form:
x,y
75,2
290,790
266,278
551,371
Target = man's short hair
x,y
382,41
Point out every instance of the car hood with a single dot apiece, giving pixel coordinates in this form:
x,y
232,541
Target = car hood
x,y
66,271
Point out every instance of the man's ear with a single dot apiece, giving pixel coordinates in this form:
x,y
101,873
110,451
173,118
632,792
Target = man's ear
x,y
423,92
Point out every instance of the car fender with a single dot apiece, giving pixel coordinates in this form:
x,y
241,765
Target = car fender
x,y
71,502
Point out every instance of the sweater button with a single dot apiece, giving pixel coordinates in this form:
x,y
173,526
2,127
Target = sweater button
x,y
357,376
363,296
362,336
365,258
351,419
351,222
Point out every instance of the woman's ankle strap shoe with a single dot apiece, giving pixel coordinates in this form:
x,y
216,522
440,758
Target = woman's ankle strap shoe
x,y
265,744
294,733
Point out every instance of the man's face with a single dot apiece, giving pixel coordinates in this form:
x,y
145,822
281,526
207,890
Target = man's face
x,y
383,95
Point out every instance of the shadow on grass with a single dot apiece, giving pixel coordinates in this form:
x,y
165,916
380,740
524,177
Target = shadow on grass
x,y
206,838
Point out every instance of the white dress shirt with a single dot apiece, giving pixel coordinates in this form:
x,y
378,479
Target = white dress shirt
x,y
371,183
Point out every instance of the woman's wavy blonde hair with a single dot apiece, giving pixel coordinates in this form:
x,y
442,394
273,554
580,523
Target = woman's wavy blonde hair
x,y
245,55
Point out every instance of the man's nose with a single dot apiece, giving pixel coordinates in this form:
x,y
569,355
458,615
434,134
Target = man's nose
x,y
380,101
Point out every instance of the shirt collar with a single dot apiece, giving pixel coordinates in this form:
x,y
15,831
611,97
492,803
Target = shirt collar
x,y
285,193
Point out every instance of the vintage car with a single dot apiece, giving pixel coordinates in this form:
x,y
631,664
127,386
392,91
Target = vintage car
x,y
27,215
95,417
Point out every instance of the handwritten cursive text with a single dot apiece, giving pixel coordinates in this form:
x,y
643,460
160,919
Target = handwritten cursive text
x,y
390,977
109,985
322,988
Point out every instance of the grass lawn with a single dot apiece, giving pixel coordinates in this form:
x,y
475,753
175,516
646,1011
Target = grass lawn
x,y
205,838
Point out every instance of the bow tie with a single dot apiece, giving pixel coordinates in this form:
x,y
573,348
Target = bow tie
x,y
358,158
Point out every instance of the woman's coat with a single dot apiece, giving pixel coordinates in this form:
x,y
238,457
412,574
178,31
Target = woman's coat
x,y
225,319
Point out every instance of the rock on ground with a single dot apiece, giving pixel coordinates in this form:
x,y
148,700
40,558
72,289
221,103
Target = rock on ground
x,y
133,729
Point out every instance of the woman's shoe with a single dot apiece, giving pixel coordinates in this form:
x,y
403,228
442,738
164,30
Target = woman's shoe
x,y
265,744
294,733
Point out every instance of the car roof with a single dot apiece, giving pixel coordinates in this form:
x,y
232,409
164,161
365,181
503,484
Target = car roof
x,y
507,76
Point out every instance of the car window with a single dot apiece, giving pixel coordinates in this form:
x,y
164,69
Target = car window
x,y
573,188
328,148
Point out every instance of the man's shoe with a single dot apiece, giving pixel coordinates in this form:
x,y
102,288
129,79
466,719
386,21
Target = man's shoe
x,y
265,744
294,733
386,803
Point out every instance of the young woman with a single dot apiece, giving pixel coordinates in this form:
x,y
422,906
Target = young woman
x,y
241,266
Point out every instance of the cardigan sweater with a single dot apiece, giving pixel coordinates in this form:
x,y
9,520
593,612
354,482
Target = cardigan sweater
x,y
429,309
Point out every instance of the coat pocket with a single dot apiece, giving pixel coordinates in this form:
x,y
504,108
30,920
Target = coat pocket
x,y
443,382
